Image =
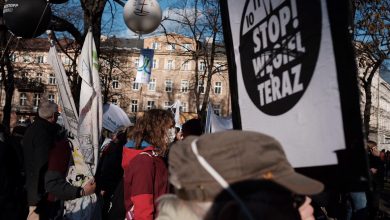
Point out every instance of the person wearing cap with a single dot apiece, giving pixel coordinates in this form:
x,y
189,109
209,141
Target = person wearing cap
x,y
145,175
46,154
201,168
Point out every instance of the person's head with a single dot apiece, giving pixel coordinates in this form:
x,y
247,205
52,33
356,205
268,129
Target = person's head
x,y
261,199
120,135
192,127
235,156
373,148
49,111
154,127
204,168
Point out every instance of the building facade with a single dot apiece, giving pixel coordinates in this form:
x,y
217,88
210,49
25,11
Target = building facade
x,y
173,77
380,111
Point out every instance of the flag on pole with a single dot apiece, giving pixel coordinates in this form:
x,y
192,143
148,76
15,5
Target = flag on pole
x,y
144,68
91,109
207,127
69,112
175,108
215,123
80,172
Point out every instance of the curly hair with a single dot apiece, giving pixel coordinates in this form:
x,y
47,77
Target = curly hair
x,y
153,128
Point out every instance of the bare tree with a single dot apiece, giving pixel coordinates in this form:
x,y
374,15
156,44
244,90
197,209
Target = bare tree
x,y
372,40
72,19
201,21
114,72
6,68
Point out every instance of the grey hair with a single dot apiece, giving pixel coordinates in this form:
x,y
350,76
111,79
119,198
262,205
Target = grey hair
x,y
47,109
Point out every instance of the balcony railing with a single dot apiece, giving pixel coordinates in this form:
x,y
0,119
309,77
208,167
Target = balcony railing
x,y
29,85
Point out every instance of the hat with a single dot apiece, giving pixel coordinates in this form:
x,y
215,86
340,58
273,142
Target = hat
x,y
236,156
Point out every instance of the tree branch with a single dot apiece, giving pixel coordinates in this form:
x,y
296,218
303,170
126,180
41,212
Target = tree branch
x,y
60,24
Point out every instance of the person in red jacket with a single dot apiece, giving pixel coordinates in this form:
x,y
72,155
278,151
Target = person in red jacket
x,y
145,172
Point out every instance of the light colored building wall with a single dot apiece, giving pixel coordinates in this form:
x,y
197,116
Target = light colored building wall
x,y
380,111
172,63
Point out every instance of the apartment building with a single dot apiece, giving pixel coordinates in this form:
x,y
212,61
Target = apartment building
x,y
173,76
380,111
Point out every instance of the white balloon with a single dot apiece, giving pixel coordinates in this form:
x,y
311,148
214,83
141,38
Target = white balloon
x,y
142,16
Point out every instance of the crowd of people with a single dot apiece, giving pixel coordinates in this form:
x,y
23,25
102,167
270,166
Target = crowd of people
x,y
153,170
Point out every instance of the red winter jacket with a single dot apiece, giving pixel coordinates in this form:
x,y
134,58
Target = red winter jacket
x,y
145,179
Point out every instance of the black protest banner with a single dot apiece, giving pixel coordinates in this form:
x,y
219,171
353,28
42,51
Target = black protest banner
x,y
293,76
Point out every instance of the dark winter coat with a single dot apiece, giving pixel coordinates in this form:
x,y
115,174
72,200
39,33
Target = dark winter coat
x,y
36,143
55,182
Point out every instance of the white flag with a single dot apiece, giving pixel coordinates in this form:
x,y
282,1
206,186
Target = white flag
x,y
176,106
91,109
80,172
69,112
207,127
215,123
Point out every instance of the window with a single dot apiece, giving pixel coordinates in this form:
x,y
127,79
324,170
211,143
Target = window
x,y
186,65
168,85
201,86
134,105
202,66
218,67
52,79
170,64
67,61
155,45
114,101
22,119
136,62
13,58
217,109
184,107
184,86
39,77
39,59
167,104
154,64
150,105
51,97
36,99
152,85
23,99
26,59
187,47
135,86
171,47
115,82
218,88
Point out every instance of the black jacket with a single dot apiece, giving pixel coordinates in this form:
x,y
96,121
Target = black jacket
x,y
37,141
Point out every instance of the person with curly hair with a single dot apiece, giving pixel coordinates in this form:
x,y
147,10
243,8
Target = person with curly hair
x,y
145,172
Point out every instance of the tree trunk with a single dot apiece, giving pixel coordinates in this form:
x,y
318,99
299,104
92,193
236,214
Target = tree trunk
x,y
93,11
9,86
7,70
367,108
368,90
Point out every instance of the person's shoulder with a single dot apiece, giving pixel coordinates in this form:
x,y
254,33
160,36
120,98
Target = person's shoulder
x,y
145,155
143,159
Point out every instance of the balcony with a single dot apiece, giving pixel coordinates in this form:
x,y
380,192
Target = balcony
x,y
25,110
29,85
